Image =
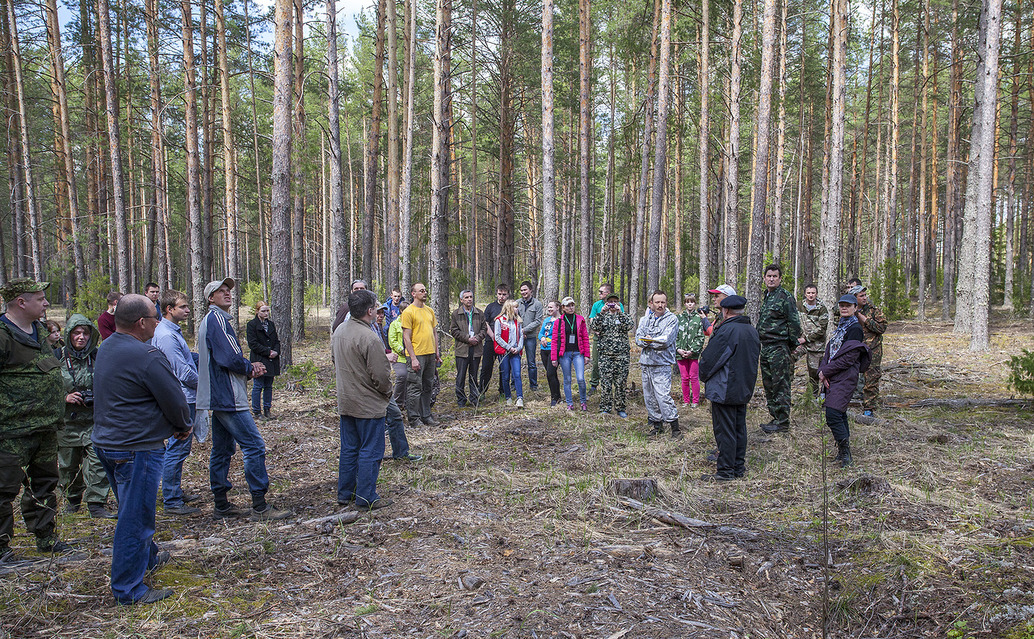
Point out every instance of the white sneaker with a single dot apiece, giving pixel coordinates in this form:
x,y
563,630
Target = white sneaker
x,y
509,402
520,402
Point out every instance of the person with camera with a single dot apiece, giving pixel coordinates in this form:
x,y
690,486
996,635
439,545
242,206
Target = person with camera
x,y
611,327
81,473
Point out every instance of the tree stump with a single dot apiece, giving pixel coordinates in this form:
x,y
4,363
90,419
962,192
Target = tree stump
x,y
643,489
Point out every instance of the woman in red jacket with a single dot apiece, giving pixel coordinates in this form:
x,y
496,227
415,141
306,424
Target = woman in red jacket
x,y
571,349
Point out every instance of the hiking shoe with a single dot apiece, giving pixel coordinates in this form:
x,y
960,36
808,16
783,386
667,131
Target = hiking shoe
x,y
570,407
622,414
657,428
712,456
381,502
99,511
188,498
429,421
584,407
409,457
71,507
270,514
509,402
715,477
53,546
775,428
181,510
519,403
151,596
229,511
163,557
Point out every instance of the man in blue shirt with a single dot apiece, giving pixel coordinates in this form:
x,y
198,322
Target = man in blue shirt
x,y
169,340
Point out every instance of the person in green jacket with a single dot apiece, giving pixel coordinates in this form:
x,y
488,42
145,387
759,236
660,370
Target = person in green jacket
x,y
689,343
82,476
401,366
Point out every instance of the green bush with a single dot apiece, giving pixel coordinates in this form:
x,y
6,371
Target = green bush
x,y
250,293
91,296
1021,375
888,291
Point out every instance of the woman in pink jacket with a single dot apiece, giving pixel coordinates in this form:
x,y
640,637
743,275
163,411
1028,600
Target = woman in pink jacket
x,y
571,348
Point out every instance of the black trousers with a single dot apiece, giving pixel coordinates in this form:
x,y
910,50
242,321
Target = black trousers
x,y
467,369
838,425
730,432
488,358
551,375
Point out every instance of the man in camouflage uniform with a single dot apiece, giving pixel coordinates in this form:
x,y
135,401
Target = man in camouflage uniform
x,y
814,321
611,327
779,328
874,325
31,410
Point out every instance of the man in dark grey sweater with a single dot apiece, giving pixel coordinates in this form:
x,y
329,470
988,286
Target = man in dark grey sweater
x,y
138,404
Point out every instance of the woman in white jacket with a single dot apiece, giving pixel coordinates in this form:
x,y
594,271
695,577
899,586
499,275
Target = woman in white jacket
x,y
509,343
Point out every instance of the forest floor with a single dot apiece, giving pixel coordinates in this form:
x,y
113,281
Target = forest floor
x,y
506,529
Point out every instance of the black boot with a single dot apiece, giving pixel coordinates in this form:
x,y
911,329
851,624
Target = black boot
x,y
676,432
658,427
844,453
265,413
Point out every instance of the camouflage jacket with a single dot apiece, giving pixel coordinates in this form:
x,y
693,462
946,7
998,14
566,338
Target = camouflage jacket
x,y
77,371
815,324
690,336
32,396
874,326
779,321
611,333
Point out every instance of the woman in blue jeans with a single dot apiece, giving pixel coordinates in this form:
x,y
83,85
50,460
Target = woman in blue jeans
x,y
508,345
570,349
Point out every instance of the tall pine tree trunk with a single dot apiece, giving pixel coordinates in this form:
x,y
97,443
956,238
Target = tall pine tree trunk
x,y
298,217
551,280
338,223
372,148
280,206
229,158
197,278
406,187
732,182
703,267
584,148
829,248
391,213
438,249
660,155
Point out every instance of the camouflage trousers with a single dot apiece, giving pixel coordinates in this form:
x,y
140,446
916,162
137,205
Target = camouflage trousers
x,y
30,461
613,375
776,375
814,359
82,475
871,385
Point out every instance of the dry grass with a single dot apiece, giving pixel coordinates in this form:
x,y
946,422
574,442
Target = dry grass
x,y
505,529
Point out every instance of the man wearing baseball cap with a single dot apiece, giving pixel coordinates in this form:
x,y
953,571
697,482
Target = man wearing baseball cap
x,y
718,294
32,408
223,371
874,325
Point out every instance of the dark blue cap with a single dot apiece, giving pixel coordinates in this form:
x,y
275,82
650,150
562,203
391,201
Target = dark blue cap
x,y
848,299
733,301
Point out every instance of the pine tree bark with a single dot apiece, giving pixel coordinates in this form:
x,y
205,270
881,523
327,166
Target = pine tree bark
x,y
922,221
338,223
887,251
584,149
703,266
829,248
551,280
507,130
732,182
660,155
262,239
280,206
777,202
391,213
197,280
229,157
759,188
1011,200
298,266
156,210
953,158
438,250
406,188
372,147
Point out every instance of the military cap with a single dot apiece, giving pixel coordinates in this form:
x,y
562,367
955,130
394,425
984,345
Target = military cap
x,y
20,286
733,301
855,290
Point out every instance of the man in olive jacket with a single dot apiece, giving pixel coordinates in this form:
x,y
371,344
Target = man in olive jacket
x,y
363,391
729,369
32,407
468,328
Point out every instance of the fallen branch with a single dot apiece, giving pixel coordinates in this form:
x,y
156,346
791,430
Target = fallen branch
x,y
963,402
678,519
328,523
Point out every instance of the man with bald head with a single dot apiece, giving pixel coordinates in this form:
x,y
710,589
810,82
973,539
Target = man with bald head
x,y
138,404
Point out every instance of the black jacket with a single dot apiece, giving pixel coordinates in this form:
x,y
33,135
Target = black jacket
x,y
729,363
261,342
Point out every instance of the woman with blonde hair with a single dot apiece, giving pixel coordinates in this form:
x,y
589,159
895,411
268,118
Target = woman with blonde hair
x,y
509,343
265,347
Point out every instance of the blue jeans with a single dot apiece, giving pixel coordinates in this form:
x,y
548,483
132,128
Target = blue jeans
x,y
176,450
362,448
396,431
239,428
510,369
531,344
134,477
262,389
566,360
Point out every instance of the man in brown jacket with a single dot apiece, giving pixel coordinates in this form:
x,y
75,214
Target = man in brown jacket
x,y
363,391
468,328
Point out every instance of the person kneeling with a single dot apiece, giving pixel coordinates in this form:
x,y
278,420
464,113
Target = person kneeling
x,y
846,356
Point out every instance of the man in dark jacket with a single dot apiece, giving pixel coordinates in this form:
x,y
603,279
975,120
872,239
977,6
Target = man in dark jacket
x,y
846,356
502,293
139,405
779,328
468,328
729,370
